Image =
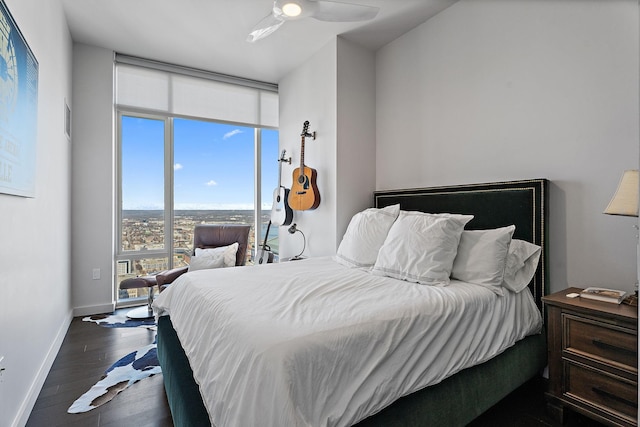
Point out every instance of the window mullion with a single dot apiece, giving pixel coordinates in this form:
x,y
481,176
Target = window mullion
x,y
118,193
257,205
168,189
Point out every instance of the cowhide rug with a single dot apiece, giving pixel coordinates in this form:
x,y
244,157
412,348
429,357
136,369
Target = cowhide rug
x,y
134,367
119,319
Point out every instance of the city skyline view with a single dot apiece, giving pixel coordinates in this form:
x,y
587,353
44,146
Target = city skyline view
x,y
143,230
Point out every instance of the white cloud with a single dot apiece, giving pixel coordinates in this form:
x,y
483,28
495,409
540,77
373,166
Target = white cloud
x,y
211,183
232,133
177,167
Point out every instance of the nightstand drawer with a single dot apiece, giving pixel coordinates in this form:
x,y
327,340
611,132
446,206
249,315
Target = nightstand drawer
x,y
592,358
604,392
607,343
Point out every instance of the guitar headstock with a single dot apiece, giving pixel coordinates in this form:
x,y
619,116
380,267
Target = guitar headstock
x,y
305,128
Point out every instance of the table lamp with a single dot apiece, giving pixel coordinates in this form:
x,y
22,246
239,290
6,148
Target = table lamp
x,y
625,202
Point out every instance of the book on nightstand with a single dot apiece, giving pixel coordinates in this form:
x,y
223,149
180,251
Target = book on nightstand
x,y
604,294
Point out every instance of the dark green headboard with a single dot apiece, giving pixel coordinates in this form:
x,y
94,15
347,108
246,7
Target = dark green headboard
x,y
495,204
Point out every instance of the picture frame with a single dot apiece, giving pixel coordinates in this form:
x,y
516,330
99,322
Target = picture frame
x,y
18,109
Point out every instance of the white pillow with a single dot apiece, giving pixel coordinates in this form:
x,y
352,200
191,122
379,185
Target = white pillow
x,y
522,262
365,235
224,256
482,256
421,247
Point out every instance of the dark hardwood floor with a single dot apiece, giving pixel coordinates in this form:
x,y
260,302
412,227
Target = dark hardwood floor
x,y
88,350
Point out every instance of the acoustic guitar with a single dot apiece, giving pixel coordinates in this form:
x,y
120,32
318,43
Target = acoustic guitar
x,y
281,212
304,194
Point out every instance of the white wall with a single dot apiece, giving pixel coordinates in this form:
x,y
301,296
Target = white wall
x,y
35,298
495,90
309,93
93,180
335,91
356,143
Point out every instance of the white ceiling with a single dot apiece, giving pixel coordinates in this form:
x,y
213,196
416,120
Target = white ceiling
x,y
211,34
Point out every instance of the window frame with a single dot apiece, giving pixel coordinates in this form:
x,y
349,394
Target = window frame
x,y
168,192
169,213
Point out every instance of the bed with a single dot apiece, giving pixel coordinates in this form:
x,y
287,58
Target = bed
x,y
454,397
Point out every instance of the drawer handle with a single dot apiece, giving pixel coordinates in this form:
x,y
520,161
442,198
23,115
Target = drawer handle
x,y
608,346
612,396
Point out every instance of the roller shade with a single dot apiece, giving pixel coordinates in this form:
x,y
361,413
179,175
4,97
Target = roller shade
x,y
195,94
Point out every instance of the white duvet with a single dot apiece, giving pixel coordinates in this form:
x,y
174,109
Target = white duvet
x,y
314,343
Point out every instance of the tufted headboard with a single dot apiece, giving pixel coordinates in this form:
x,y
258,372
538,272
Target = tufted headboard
x,y
495,204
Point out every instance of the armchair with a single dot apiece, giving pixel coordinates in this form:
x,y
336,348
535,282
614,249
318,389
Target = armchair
x,y
208,236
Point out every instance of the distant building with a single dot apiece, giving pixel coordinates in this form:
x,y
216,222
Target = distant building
x,y
124,267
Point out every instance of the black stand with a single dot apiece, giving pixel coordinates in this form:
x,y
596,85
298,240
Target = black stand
x,y
269,255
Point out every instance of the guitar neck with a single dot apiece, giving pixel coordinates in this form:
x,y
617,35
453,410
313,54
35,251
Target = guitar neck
x,y
302,156
280,168
305,128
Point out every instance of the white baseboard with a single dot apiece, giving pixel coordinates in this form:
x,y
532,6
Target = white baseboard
x,y
89,310
27,405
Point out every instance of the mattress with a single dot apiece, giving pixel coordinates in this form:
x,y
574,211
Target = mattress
x,y
315,343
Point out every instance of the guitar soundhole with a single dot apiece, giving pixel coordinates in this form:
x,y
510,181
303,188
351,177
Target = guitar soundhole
x,y
301,179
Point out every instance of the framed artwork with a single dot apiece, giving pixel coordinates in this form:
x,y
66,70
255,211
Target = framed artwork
x,y
18,109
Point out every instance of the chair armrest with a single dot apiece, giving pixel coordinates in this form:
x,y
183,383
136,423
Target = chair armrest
x,y
168,276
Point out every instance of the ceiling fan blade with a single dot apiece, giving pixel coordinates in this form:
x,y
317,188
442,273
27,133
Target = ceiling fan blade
x,y
332,11
265,27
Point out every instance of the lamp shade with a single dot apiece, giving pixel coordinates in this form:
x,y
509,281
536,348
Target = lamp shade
x,y
625,201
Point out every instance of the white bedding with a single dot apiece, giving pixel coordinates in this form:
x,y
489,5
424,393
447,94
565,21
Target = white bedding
x,y
315,343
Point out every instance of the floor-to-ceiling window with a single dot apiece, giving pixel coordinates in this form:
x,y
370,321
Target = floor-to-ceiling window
x,y
142,213
182,163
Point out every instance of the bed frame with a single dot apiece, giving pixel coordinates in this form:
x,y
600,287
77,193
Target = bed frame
x,y
462,397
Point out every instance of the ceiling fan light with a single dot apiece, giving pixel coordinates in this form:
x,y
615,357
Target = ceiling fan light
x,y
291,9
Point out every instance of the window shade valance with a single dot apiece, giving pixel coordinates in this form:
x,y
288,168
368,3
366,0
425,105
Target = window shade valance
x,y
195,93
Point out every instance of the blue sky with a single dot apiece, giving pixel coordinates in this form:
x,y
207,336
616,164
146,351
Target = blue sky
x,y
213,165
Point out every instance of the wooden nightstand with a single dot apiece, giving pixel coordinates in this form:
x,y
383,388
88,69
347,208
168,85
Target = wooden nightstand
x,y
593,359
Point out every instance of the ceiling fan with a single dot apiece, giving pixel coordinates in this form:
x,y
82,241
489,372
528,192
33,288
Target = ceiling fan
x,y
322,10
